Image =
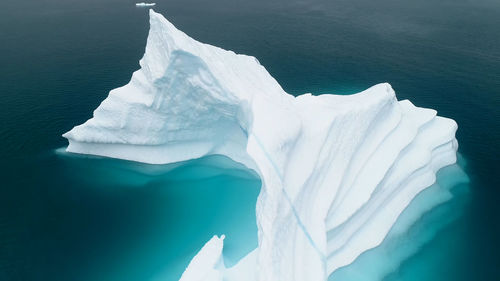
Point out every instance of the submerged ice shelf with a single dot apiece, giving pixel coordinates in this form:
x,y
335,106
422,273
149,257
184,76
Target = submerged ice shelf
x,y
336,171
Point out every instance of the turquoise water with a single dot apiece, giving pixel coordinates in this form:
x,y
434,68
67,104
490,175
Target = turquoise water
x,y
106,219
76,218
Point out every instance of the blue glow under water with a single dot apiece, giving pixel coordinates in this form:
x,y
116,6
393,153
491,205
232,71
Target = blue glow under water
x,y
107,219
77,218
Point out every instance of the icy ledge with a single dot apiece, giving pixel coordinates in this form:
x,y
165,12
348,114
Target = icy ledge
x,y
336,171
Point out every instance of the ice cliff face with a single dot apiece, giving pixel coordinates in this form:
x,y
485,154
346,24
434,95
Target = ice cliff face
x,y
336,171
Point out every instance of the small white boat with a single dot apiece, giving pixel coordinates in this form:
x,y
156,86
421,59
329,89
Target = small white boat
x,y
142,4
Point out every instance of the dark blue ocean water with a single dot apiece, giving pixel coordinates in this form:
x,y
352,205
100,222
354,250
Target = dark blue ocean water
x,y
76,218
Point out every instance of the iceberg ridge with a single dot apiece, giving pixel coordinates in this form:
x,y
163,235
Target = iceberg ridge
x,y
336,171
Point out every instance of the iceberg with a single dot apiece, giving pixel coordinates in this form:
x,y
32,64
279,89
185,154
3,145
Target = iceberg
x,y
337,171
143,4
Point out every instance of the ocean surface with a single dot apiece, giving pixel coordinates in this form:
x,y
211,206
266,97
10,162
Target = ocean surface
x,y
67,217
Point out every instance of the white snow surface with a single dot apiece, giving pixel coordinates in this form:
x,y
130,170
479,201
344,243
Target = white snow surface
x,y
208,264
336,171
143,4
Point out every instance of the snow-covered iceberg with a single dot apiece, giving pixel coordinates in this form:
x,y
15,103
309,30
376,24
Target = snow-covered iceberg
x,y
143,4
336,171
